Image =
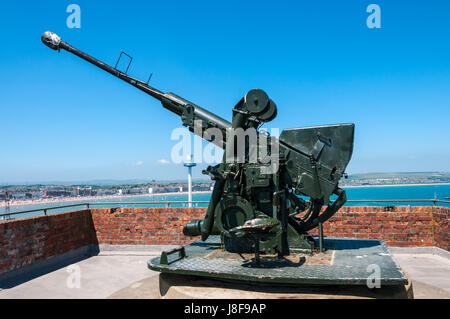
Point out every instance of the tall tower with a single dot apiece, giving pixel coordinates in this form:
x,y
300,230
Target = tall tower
x,y
7,208
189,164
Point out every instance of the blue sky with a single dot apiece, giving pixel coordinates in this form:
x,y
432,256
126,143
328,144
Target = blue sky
x,y
63,119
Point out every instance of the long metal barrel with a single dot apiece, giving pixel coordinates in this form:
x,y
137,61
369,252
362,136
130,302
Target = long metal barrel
x,y
170,101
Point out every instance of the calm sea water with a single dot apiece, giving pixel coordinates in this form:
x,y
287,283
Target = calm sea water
x,y
357,193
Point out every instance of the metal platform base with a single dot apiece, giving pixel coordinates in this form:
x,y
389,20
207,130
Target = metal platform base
x,y
346,261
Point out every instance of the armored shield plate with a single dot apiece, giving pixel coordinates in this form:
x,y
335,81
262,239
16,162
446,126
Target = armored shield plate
x,y
331,145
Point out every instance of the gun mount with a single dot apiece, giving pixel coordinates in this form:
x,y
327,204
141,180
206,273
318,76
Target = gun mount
x,y
265,205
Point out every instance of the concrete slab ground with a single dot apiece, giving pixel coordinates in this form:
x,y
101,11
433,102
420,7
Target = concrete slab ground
x,y
100,276
428,272
115,269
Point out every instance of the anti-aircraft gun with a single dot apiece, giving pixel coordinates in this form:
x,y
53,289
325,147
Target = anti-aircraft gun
x,y
268,192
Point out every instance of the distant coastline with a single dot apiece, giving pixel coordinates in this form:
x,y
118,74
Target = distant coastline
x,y
90,198
394,185
95,198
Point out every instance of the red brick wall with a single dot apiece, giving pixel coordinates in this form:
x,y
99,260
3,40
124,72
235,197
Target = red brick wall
x,y
25,241
441,229
143,226
28,240
397,226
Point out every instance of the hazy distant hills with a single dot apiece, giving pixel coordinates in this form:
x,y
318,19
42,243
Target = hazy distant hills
x,y
401,175
397,178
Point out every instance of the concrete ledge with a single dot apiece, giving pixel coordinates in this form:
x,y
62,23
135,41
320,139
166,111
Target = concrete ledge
x,y
166,286
50,264
418,250
187,287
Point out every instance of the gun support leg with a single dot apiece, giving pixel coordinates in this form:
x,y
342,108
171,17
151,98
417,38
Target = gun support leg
x,y
208,222
332,209
320,237
256,239
314,220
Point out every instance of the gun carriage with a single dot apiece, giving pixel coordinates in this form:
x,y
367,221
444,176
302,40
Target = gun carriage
x,y
265,205
268,193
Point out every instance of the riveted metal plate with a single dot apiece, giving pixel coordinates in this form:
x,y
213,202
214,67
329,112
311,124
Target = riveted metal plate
x,y
347,261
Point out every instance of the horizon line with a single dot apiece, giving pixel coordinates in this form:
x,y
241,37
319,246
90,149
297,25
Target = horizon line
x,y
150,180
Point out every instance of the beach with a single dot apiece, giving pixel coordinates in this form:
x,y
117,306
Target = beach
x,y
118,197
89,198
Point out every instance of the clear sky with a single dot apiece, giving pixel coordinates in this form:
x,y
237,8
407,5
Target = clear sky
x,y
63,119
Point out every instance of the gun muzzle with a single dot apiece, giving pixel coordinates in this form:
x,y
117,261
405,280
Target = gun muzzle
x,y
193,228
51,40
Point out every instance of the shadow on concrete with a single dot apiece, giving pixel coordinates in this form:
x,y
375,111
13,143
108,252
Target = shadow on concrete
x,y
337,243
22,275
273,263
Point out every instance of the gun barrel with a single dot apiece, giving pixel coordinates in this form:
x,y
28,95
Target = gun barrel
x,y
170,101
54,42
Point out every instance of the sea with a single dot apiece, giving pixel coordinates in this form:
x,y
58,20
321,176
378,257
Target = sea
x,y
368,194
